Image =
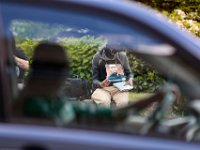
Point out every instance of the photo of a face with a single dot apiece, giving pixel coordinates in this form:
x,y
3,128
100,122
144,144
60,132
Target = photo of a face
x,y
114,69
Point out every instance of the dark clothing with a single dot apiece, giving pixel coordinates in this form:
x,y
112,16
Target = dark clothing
x,y
99,70
19,53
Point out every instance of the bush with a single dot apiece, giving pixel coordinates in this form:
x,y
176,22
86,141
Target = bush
x,y
146,79
185,13
80,52
28,47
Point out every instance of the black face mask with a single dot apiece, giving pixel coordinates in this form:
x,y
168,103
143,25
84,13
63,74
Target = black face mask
x,y
109,52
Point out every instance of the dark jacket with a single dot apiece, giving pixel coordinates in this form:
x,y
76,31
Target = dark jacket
x,y
99,70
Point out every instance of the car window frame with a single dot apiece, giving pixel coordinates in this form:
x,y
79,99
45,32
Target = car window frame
x,y
2,71
6,77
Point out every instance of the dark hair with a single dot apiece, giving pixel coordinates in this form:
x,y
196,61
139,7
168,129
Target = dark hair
x,y
109,52
49,60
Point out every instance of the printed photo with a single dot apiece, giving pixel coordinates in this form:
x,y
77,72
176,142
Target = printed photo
x,y
115,73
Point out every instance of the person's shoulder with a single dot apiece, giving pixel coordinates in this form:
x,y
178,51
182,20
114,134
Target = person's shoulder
x,y
20,53
96,55
19,50
122,54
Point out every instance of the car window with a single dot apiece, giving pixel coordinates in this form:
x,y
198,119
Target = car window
x,y
76,61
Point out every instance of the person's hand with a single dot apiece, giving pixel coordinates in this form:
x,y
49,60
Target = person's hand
x,y
105,83
129,82
24,64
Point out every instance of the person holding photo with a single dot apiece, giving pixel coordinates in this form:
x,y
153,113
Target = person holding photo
x,y
108,63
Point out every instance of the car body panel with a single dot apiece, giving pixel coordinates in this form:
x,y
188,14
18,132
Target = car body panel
x,y
53,138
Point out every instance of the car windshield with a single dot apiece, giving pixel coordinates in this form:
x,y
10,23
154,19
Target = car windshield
x,y
74,68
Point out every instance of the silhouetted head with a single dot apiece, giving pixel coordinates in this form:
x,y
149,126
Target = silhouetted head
x,y
49,61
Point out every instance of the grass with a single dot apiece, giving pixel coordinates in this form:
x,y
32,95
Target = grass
x,y
138,96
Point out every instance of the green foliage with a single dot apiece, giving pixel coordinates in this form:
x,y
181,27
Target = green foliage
x,y
185,13
170,5
80,52
28,46
146,79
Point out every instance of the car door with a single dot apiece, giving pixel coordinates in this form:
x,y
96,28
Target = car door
x,y
6,73
80,28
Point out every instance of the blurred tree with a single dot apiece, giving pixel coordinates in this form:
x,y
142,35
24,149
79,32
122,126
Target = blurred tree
x,y
185,13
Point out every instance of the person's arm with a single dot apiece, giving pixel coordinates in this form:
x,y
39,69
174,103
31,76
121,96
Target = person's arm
x,y
95,70
127,70
24,64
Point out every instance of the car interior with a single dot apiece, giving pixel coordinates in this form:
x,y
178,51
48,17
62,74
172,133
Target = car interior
x,y
57,88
